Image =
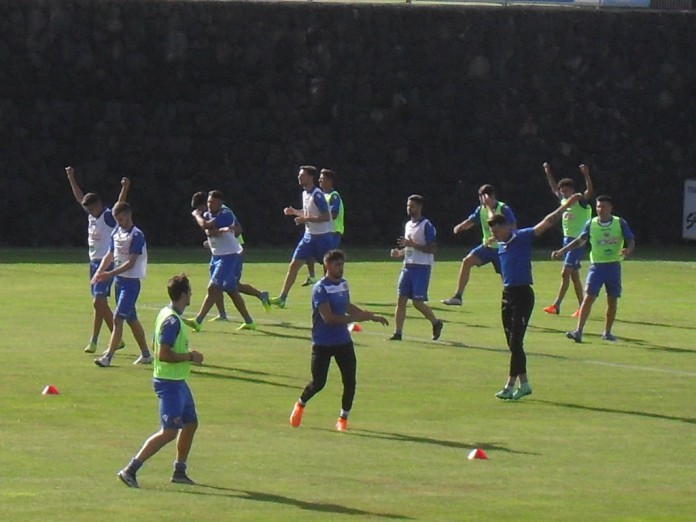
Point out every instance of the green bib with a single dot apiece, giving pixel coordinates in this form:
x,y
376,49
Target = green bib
x,y
338,222
574,218
178,371
485,229
606,241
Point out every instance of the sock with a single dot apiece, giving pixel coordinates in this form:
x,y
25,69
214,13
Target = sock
x,y
248,319
283,296
344,413
458,295
222,315
146,353
94,339
557,304
179,467
133,466
199,320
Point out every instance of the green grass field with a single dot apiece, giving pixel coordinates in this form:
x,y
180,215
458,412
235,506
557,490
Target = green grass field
x,y
609,433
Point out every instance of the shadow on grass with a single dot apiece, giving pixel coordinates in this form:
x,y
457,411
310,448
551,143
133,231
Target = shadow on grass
x,y
572,406
260,496
401,437
278,334
248,372
664,325
456,344
215,375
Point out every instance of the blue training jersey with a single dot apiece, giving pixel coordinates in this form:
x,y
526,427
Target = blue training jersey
x,y
516,257
338,297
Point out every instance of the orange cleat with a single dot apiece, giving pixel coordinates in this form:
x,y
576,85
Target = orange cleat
x,y
296,415
576,313
342,424
552,309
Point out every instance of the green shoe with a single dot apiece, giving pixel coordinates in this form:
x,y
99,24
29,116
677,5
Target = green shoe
x,y
278,301
192,323
247,326
91,348
523,390
266,301
506,394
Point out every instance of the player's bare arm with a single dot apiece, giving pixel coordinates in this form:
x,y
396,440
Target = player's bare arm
x,y
125,186
77,192
464,225
549,177
550,219
589,189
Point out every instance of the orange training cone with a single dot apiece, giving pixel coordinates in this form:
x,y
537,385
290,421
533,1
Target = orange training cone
x,y
354,327
477,453
50,390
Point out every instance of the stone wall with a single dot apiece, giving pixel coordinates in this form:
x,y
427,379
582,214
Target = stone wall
x,y
186,96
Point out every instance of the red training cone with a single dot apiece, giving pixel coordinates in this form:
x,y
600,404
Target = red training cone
x,y
477,453
354,327
50,390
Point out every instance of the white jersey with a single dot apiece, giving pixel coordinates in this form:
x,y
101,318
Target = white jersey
x,y
125,242
226,243
310,209
420,232
99,234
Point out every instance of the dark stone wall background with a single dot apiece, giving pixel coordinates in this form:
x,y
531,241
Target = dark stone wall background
x,y
183,96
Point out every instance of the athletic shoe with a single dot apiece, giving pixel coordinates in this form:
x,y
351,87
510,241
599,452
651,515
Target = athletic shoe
x,y
221,318
522,391
103,361
552,310
575,314
192,323
606,336
296,415
309,281
142,359
395,337
505,394
179,477
91,348
437,330
278,301
342,424
247,326
266,301
120,346
575,336
128,478
452,301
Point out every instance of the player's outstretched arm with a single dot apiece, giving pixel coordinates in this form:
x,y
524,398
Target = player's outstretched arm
x,y
554,216
464,225
551,180
357,314
77,192
589,189
125,186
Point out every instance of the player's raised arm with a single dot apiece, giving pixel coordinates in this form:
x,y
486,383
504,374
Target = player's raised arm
x,y
589,189
77,192
552,181
125,186
550,219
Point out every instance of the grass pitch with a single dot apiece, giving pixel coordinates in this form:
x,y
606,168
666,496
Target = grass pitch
x,y
609,433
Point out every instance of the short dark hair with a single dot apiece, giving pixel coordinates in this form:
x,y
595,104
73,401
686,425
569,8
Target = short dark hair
x,y
605,198
327,173
121,206
217,194
417,198
566,182
310,169
486,189
90,199
334,255
178,285
198,199
497,220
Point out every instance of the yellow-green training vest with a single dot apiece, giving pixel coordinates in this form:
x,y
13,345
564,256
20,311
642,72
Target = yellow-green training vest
x,y
485,229
165,370
574,218
606,241
338,222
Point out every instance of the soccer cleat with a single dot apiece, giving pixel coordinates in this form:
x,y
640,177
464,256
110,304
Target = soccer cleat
x,y
278,301
452,301
394,337
143,359
606,336
309,281
342,424
505,394
552,310
524,390
247,326
575,314
128,478
218,318
575,336
437,330
192,323
296,415
103,361
181,478
266,301
91,348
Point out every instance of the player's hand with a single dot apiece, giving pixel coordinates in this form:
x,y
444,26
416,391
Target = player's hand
x,y
404,242
625,252
556,254
99,277
289,211
125,182
380,319
457,229
70,171
585,170
300,220
547,167
395,252
196,357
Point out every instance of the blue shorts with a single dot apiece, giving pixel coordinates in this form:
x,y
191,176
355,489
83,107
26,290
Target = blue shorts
x,y
336,241
127,292
572,257
487,255
413,282
225,271
103,288
314,246
604,274
176,406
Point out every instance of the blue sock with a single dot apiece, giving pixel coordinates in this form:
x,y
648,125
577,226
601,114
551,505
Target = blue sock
x,y
179,467
283,296
95,339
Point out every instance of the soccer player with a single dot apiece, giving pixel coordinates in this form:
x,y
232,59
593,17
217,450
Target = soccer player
x,y
327,180
573,222
318,238
222,228
100,225
515,251
487,251
417,246
332,311
128,251
611,240
171,368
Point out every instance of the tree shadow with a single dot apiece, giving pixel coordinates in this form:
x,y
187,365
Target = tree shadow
x,y
687,420
260,496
